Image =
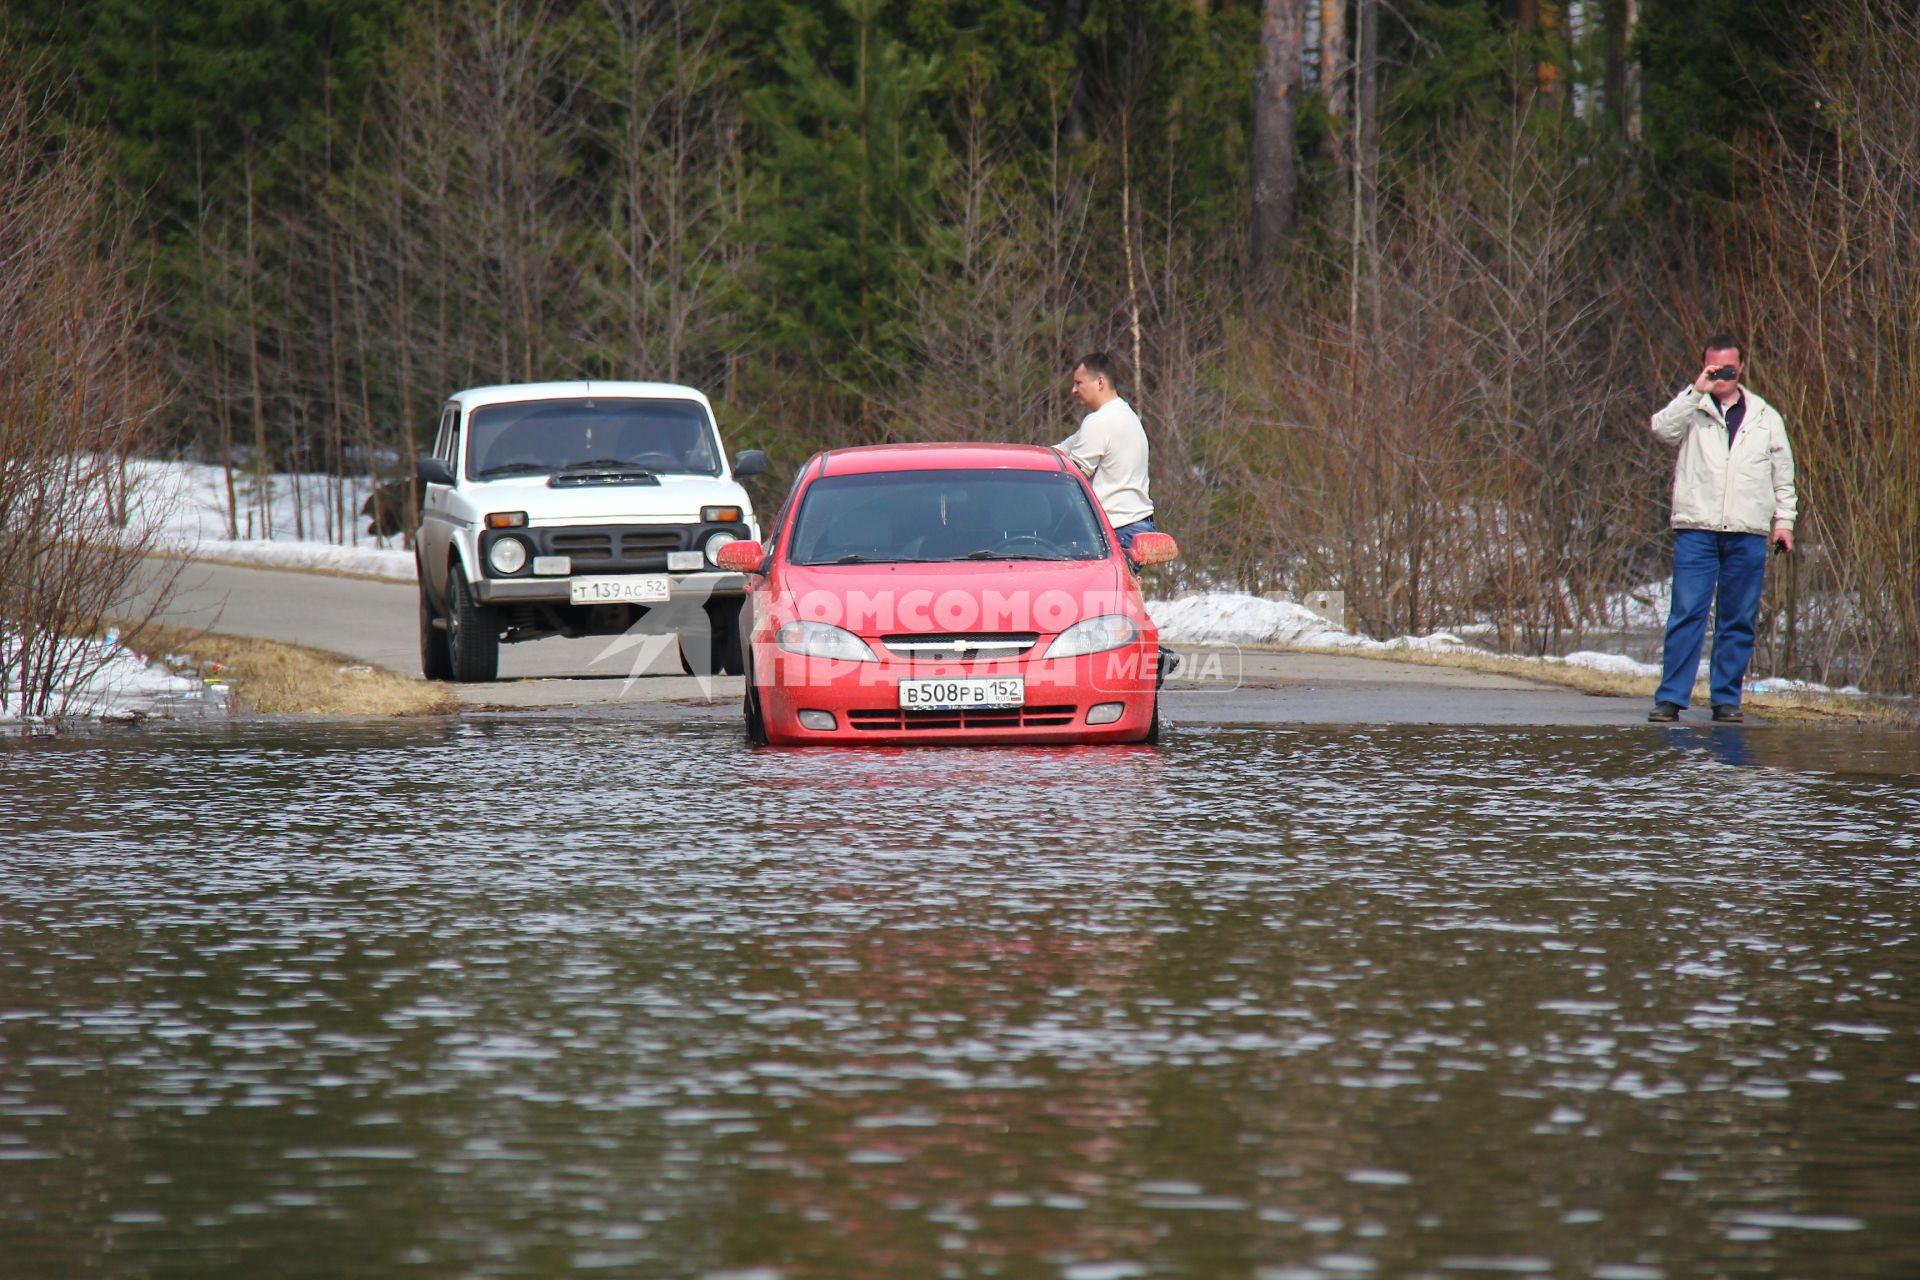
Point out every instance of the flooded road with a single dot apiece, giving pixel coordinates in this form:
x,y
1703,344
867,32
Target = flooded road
x,y
591,995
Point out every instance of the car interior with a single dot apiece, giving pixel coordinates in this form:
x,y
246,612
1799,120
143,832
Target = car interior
x,y
549,435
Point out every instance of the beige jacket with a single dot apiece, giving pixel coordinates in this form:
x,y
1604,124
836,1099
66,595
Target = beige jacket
x,y
1110,448
1745,489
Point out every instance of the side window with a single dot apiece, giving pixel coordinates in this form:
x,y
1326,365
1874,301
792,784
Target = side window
x,y
772,533
449,451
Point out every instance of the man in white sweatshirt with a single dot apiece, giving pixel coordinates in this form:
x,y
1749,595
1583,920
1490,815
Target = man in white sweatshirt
x,y
1110,448
1732,493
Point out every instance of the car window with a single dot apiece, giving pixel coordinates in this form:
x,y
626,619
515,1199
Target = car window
x,y
447,448
897,516
543,436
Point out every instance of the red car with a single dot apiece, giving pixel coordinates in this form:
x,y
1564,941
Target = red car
x,y
947,593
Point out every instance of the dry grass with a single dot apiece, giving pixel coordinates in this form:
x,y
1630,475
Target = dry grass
x,y
1779,707
284,679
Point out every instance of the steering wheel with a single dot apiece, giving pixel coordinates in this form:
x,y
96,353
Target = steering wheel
x,y
653,459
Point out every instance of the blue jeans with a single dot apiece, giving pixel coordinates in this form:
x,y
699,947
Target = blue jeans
x,y
1724,570
1127,532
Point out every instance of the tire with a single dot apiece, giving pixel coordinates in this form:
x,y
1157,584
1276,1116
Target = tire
x,y
750,712
729,642
473,634
434,661
435,664
756,723
1152,735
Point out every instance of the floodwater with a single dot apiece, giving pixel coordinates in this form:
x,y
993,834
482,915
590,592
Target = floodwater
x,y
565,996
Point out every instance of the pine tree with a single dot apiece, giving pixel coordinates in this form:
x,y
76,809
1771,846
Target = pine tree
x,y
853,157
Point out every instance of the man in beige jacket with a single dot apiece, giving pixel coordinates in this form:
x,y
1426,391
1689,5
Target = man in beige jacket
x,y
1110,449
1732,492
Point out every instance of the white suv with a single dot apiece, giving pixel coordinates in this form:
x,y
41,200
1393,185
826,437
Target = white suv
x,y
575,509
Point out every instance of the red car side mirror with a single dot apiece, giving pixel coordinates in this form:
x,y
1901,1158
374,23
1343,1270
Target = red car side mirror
x,y
1148,548
744,556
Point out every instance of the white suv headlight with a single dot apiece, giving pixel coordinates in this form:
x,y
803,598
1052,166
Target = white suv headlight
x,y
1094,635
715,541
822,640
507,555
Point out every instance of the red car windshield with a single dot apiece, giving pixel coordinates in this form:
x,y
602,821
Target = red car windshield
x,y
893,516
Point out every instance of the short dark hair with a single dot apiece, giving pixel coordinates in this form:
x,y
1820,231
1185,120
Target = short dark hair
x,y
1722,341
1101,365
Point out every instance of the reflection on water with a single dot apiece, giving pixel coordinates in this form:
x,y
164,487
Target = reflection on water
x,y
544,997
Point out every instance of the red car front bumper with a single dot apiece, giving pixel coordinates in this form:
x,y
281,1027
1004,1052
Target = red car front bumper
x,y
864,699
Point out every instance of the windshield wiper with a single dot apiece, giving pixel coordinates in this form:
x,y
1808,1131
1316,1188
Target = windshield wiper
x,y
514,469
984,554
601,471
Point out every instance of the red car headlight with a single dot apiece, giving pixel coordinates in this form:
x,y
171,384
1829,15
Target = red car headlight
x,y
1094,635
823,640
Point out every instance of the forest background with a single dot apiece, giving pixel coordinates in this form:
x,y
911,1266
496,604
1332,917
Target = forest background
x,y
1397,282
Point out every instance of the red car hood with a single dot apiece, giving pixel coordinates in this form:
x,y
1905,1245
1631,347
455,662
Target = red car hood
x,y
1020,595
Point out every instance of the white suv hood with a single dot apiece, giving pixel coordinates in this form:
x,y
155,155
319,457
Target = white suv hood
x,y
675,500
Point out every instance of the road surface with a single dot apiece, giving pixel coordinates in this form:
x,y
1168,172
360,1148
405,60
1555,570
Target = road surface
x,y
377,623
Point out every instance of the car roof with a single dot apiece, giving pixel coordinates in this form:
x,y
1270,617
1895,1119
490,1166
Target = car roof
x,y
512,392
938,457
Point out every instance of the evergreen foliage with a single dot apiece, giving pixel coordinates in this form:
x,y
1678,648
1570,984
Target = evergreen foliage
x,y
852,162
1721,76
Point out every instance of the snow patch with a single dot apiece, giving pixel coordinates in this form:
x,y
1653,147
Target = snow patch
x,y
115,683
1612,663
1226,617
373,562
185,505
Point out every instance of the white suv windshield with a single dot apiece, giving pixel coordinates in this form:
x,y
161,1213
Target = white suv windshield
x,y
892,516
590,433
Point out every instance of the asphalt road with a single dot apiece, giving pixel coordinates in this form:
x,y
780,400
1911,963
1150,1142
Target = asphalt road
x,y
377,623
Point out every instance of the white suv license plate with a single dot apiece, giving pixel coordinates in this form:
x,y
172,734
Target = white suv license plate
x,y
635,588
963,693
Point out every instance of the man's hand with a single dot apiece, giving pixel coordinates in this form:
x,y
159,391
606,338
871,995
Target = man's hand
x,y
1704,383
1783,537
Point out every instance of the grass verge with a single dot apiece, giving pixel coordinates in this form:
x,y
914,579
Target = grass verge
x,y
284,679
1805,708
266,566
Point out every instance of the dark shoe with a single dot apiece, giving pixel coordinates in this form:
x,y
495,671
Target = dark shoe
x,y
1664,712
1727,713
1169,665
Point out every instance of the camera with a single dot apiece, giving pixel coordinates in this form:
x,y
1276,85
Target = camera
x,y
1725,373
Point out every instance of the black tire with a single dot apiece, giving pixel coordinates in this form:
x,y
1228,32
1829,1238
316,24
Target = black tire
x,y
756,723
473,634
729,642
435,664
750,713
1152,736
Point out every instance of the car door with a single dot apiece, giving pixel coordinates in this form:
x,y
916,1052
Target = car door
x,y
436,517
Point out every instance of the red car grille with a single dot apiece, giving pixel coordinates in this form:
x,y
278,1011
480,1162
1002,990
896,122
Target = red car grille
x,y
960,721
978,646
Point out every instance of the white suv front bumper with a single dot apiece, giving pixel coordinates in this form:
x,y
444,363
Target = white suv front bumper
x,y
559,590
